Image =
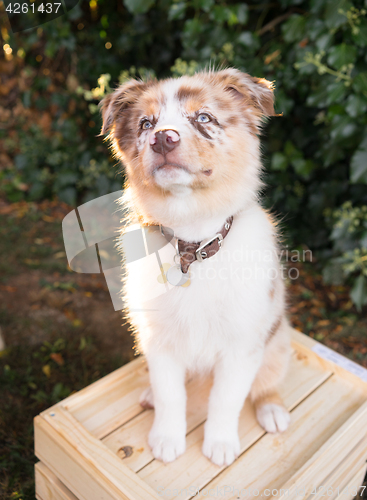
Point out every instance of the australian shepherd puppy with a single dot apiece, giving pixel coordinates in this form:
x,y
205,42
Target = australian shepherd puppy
x,y
191,150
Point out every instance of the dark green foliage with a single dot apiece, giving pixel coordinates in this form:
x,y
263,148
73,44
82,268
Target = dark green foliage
x,y
349,255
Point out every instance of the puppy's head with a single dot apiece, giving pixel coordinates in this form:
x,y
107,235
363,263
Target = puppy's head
x,y
190,145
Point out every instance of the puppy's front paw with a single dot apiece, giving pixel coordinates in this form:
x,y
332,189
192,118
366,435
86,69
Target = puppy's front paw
x,y
221,451
166,448
273,418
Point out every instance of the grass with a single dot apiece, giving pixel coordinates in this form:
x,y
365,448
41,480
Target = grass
x,y
32,379
54,345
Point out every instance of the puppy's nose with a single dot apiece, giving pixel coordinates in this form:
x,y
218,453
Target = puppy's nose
x,y
164,141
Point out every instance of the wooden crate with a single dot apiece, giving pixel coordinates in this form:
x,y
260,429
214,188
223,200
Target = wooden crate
x,y
93,445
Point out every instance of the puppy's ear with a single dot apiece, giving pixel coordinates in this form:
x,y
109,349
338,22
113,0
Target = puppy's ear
x,y
249,90
114,104
256,90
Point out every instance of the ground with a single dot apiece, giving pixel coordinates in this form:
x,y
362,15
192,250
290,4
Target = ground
x,y
61,332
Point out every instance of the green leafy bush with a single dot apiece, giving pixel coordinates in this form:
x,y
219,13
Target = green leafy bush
x,y
349,237
62,165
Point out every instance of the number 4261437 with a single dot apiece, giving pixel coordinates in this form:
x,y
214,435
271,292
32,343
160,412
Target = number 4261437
x,y
23,8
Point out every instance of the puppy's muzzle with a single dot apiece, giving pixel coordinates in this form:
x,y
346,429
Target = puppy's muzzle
x,y
164,141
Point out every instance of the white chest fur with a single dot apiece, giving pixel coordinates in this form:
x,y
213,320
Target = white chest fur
x,y
226,305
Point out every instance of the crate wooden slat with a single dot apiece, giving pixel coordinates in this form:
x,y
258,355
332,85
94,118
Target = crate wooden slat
x,y
339,479
296,451
94,443
121,390
354,484
49,487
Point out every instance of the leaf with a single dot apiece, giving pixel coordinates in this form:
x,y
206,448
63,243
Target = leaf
x,y
57,357
220,14
356,105
177,11
315,29
342,127
360,38
284,103
291,151
65,178
279,161
303,167
40,397
242,13
138,6
47,218
27,99
21,161
60,392
341,55
83,344
206,5
335,92
249,40
333,17
324,41
294,29
358,165
363,239
360,83
332,274
358,293
318,98
335,110
340,231
192,27
47,370
68,195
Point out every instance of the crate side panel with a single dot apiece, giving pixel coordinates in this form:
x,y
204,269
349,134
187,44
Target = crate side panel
x,y
49,487
84,452
307,344
62,459
273,459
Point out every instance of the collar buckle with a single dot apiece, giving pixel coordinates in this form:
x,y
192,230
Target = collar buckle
x,y
200,253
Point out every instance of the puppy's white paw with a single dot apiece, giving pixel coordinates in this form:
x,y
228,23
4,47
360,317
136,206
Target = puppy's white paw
x,y
221,451
146,399
166,448
273,418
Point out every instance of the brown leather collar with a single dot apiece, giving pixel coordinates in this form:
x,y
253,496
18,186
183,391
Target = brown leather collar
x,y
190,252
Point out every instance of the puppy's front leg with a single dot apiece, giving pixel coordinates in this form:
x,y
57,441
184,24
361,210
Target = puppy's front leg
x,y
233,377
167,437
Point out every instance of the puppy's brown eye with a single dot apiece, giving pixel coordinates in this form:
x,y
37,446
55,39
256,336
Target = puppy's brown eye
x,y
145,124
203,118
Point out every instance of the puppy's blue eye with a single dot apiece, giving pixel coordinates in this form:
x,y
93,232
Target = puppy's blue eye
x,y
203,118
146,124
